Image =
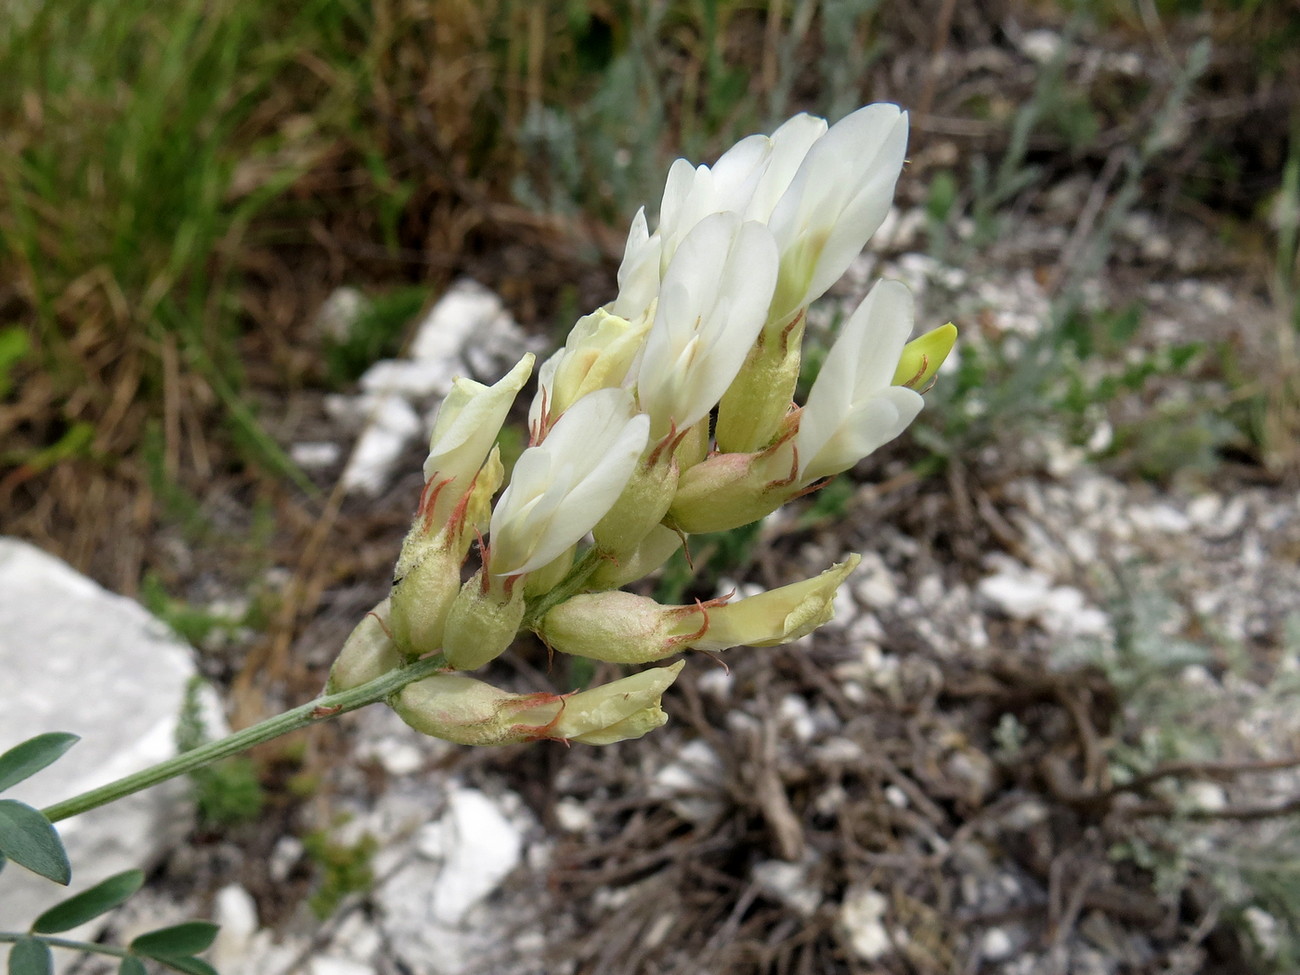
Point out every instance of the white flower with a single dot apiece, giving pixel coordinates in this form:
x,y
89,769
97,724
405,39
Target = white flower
x,y
638,275
468,422
853,408
597,354
712,305
564,485
835,202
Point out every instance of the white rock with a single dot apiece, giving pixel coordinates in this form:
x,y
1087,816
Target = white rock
x,y
330,965
235,911
573,816
862,917
396,756
1040,46
1159,518
796,719
1024,594
314,455
411,379
478,846
789,884
339,313
1206,796
996,945
392,425
466,310
716,684
872,582
285,855
78,658
690,782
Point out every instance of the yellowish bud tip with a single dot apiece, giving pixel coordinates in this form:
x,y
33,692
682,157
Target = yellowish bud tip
x,y
923,356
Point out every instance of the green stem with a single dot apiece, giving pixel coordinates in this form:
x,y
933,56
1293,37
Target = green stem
x,y
326,706
571,585
13,936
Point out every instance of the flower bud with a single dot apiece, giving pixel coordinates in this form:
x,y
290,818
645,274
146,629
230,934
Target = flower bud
x,y
618,711
482,622
596,355
752,410
777,616
853,407
730,490
625,628
422,598
468,422
621,627
470,712
923,356
642,504
369,652
652,551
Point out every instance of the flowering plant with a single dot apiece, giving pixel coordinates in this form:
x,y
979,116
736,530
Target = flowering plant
x,y
668,411
709,316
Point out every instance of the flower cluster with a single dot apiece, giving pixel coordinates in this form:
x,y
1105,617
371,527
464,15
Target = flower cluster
x,y
668,411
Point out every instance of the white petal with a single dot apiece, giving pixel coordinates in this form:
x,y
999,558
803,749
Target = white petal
x,y
711,307
790,143
563,486
469,420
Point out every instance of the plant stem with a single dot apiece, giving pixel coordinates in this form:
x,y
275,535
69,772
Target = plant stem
x,y
326,706
14,936
571,585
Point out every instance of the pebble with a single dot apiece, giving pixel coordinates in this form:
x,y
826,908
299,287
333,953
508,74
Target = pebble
x,y
789,884
862,918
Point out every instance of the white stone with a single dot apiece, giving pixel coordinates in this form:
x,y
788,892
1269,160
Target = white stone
x,y
395,756
80,659
392,425
862,917
691,780
330,965
411,379
339,313
996,945
285,855
466,310
1040,46
789,884
234,909
716,684
573,816
796,719
478,846
1160,518
315,455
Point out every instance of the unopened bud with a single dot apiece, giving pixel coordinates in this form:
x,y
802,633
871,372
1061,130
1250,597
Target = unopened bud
x,y
470,712
642,505
368,653
483,621
779,615
752,409
730,490
422,598
923,356
621,627
617,711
